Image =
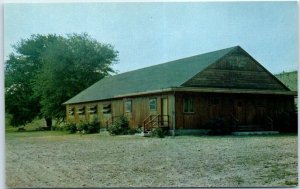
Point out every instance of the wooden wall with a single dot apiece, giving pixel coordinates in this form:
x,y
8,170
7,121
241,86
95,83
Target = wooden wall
x,y
249,109
236,70
76,118
140,109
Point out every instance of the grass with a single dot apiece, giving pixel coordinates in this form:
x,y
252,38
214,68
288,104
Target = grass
x,y
289,79
35,125
57,159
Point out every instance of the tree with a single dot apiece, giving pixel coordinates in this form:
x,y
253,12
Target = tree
x,y
65,67
20,70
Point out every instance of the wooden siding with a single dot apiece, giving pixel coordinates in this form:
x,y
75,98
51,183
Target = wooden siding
x,y
140,110
236,70
248,109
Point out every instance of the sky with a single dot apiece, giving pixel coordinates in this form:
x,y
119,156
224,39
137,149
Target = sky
x,y
146,34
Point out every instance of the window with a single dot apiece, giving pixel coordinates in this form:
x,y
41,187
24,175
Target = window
x,y
71,111
152,104
93,109
188,106
128,106
80,110
106,108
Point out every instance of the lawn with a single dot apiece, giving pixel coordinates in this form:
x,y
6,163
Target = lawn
x,y
57,159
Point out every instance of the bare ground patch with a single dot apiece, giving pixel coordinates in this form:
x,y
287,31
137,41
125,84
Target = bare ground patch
x,y
55,160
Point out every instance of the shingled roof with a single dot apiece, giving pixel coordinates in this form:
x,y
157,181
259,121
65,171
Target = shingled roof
x,y
154,78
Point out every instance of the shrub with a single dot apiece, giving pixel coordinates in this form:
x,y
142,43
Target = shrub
x,y
139,129
21,129
114,129
8,118
82,127
123,122
132,131
93,126
59,127
158,132
71,127
120,127
54,128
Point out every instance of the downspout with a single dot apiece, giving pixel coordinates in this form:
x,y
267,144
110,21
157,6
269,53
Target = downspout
x,y
174,113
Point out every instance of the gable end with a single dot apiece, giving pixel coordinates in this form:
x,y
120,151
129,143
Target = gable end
x,y
237,70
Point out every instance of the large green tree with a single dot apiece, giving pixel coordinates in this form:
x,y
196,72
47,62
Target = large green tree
x,y
64,67
20,71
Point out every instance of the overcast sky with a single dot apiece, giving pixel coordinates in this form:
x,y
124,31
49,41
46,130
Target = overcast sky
x,y
151,33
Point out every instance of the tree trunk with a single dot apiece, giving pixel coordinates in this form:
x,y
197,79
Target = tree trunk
x,y
48,122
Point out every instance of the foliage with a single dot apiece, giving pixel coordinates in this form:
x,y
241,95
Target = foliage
x,y
20,71
158,132
61,127
115,129
8,118
120,127
84,127
71,127
289,79
93,126
21,129
47,70
132,131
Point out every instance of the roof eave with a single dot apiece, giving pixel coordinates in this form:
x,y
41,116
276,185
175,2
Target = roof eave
x,y
236,91
144,93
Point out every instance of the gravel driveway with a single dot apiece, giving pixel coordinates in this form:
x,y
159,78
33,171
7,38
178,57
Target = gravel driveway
x,y
52,159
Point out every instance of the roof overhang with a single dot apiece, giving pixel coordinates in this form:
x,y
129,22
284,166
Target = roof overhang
x,y
145,93
211,90
198,90
234,91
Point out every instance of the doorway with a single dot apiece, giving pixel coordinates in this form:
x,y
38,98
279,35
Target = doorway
x,y
260,114
240,111
164,111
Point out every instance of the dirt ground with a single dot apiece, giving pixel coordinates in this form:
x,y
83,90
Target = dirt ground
x,y
52,159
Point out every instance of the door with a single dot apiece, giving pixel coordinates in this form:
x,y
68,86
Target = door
x,y
260,114
164,111
239,110
214,108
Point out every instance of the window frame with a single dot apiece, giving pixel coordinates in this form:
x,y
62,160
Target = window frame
x,y
153,100
81,110
128,106
106,108
93,109
188,105
71,111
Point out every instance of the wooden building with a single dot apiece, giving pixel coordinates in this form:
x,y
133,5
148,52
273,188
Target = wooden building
x,y
188,93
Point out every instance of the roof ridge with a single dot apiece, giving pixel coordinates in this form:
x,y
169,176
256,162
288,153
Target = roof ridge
x,y
180,59
171,73
231,50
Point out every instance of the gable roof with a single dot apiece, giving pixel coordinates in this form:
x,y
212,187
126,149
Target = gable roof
x,y
161,76
154,78
236,70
